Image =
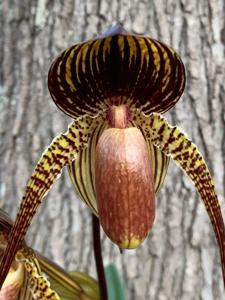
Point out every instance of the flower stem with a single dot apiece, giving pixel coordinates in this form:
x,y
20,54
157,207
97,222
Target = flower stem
x,y
98,258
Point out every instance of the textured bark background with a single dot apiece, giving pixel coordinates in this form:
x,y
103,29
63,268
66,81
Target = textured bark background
x,y
180,258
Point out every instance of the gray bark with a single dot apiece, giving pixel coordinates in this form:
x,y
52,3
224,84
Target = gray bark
x,y
180,258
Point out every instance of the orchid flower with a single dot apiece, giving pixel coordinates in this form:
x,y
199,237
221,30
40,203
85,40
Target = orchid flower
x,y
25,279
116,88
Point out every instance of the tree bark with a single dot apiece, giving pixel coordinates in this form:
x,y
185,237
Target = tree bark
x,y
180,258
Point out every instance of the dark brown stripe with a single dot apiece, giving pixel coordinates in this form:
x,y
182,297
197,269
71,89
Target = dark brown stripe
x,y
82,183
115,80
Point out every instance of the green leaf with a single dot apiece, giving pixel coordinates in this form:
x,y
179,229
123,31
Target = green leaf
x,y
114,284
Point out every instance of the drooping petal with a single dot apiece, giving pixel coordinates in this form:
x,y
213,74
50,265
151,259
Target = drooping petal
x,y
61,152
25,280
175,144
82,170
25,292
34,283
117,68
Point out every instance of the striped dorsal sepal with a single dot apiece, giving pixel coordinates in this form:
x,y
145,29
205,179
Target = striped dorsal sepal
x,y
62,151
175,144
116,68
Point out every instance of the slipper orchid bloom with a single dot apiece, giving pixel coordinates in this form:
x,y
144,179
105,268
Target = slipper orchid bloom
x,y
116,88
25,279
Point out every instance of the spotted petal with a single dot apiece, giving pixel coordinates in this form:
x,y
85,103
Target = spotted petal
x,y
175,144
24,280
33,276
61,152
37,284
